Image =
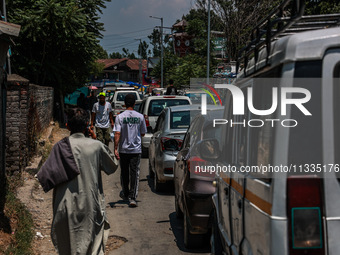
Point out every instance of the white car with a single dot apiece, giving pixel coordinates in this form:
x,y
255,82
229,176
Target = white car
x,y
151,108
118,100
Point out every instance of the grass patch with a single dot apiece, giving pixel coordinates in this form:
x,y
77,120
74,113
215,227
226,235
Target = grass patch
x,y
21,226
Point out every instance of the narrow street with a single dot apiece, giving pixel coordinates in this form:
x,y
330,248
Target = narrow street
x,y
152,227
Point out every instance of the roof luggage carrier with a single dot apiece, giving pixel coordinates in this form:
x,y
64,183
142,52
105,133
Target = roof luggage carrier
x,y
277,24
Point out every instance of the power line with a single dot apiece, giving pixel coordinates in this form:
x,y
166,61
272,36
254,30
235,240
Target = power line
x,y
129,32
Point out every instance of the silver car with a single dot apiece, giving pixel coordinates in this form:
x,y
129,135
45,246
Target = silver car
x,y
151,107
172,124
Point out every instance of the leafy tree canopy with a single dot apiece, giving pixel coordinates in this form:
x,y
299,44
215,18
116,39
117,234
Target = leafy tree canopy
x,y
58,42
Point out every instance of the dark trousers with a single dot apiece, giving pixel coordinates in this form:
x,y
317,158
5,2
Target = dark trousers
x,y
130,168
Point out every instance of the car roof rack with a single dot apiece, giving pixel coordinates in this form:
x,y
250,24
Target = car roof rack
x,y
277,24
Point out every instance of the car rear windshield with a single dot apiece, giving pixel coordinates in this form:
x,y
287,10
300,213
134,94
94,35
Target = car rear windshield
x,y
196,98
181,120
121,95
156,106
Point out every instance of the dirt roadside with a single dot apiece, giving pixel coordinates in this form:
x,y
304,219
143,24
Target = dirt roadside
x,y
39,204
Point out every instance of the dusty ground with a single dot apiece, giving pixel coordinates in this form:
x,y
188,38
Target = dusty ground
x,y
39,204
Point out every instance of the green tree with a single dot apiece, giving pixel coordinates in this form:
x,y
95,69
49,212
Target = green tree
x,y
322,7
58,42
127,54
239,17
114,55
155,41
143,49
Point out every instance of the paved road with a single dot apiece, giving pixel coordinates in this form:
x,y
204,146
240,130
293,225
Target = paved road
x,y
152,227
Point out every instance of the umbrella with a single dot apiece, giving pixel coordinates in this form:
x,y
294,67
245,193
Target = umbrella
x,y
93,87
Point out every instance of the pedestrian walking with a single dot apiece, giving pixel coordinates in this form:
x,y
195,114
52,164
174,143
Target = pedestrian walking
x,y
129,128
102,119
171,89
73,170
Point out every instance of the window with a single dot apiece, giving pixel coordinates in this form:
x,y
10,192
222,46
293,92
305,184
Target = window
x,y
160,122
305,140
181,119
336,111
121,96
156,106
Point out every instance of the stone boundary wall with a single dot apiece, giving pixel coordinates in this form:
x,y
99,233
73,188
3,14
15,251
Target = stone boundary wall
x,y
29,111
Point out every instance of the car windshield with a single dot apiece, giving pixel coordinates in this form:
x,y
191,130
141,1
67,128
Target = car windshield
x,y
181,120
121,95
156,106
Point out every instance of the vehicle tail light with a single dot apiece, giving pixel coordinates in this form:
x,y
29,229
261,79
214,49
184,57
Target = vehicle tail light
x,y
200,167
169,96
147,122
164,139
168,170
305,212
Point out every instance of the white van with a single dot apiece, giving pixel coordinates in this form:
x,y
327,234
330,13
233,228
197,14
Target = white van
x,y
293,212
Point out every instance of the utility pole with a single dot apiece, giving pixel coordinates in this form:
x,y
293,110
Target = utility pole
x,y
208,47
140,65
162,84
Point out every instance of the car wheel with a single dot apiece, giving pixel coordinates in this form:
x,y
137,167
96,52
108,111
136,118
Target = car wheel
x,y
215,239
151,173
190,240
179,213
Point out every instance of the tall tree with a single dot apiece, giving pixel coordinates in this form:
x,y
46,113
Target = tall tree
x,y
58,42
239,16
155,41
114,55
143,49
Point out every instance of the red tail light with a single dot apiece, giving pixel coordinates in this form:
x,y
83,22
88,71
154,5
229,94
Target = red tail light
x,y
200,167
164,139
147,122
305,212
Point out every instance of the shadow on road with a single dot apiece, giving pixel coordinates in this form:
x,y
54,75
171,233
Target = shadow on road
x,y
167,188
177,228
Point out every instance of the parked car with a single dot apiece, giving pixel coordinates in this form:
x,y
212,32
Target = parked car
x,y
151,108
172,125
118,100
295,210
193,187
196,94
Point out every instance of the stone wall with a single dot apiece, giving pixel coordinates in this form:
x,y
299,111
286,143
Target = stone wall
x,y
29,112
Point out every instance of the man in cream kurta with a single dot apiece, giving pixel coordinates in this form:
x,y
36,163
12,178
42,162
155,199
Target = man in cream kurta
x,y
79,221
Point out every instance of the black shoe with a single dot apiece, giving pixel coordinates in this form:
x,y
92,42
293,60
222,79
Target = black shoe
x,y
122,196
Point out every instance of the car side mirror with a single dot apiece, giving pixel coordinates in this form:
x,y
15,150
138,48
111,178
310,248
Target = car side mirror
x,y
113,105
149,129
171,145
208,149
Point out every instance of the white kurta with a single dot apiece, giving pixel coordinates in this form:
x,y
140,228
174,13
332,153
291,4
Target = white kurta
x,y
79,222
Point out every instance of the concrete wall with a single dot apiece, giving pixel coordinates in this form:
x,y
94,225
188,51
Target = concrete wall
x,y
29,112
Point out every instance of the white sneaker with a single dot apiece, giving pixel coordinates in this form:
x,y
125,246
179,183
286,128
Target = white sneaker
x,y
133,203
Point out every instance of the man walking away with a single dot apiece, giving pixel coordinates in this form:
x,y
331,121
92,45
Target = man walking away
x,y
129,129
73,170
171,89
102,117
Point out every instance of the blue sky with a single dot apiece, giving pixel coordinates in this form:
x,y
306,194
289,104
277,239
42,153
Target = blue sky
x,y
127,20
